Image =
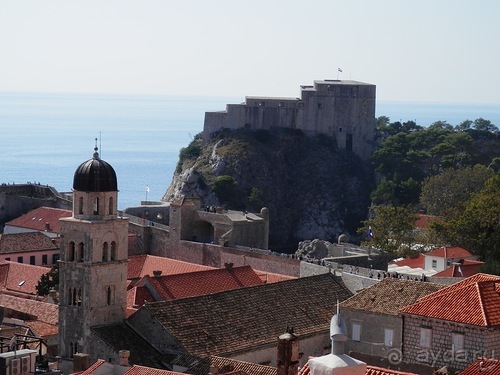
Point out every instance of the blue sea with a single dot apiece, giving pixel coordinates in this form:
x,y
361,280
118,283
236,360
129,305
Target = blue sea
x,y
44,137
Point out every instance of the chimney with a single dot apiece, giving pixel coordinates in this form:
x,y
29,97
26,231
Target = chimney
x,y
123,356
157,273
288,353
81,362
229,266
47,227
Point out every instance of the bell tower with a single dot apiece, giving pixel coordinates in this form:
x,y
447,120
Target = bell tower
x,y
93,262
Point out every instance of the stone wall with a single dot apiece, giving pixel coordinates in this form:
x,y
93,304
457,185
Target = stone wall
x,y
478,342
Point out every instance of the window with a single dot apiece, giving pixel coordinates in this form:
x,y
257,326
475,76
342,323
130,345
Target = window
x,y
80,252
71,252
109,296
388,336
425,337
32,260
356,331
110,209
457,341
105,252
20,260
434,263
44,259
55,258
96,206
113,250
80,205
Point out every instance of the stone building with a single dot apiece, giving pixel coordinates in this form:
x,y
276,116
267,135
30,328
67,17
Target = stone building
x,y
93,264
343,110
455,325
372,315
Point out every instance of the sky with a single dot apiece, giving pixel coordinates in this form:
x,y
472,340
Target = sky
x,y
444,51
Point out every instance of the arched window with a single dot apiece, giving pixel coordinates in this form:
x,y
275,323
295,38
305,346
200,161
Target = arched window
x,y
70,296
79,297
73,296
71,252
96,206
113,250
105,252
110,208
108,296
80,252
80,205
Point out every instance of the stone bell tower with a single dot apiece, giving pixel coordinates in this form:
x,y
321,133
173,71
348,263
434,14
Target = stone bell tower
x,y
93,262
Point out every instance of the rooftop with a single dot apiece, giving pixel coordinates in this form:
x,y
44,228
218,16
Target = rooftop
x,y
25,242
39,218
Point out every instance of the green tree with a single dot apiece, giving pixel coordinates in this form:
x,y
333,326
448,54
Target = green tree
x,y
484,125
392,228
446,194
48,281
477,226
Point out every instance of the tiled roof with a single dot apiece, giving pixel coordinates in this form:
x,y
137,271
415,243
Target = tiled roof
x,y
20,278
138,295
226,365
93,367
423,220
45,312
22,242
449,252
390,295
142,370
273,277
38,218
468,268
121,337
238,320
42,329
473,301
412,262
370,370
486,366
200,283
142,265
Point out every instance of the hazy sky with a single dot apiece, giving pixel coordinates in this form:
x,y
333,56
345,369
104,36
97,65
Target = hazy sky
x,y
426,50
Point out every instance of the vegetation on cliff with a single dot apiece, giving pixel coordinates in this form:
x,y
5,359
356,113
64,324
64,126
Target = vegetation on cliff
x,y
311,189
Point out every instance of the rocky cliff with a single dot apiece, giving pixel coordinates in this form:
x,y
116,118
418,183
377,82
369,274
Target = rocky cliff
x,y
312,190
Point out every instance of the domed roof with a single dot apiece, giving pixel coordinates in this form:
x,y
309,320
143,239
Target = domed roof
x,y
95,175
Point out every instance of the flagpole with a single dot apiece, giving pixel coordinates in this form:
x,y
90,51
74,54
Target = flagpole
x,y
147,189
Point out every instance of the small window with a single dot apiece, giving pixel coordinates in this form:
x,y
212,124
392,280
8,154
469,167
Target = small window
x,y
320,105
96,206
113,250
458,340
388,336
356,331
44,259
425,337
111,204
20,260
32,260
434,263
80,205
80,252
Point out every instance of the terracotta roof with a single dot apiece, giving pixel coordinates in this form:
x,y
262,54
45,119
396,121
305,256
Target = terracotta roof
x,y
22,242
42,329
200,283
37,219
43,311
468,268
102,367
20,278
424,220
390,295
93,367
412,262
142,265
485,366
230,366
268,277
137,296
252,316
121,337
449,252
370,370
474,301
142,370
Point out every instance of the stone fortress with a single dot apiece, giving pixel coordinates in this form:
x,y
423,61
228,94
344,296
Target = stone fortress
x,y
343,110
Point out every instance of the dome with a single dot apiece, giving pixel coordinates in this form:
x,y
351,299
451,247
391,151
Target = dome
x,y
95,175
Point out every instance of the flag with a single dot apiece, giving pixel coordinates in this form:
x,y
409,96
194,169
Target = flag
x,y
340,70
370,232
147,188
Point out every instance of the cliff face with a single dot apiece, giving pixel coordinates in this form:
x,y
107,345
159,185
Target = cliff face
x,y
311,189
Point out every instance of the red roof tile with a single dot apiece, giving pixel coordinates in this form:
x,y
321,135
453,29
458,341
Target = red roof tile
x,y
468,268
142,265
137,296
483,366
449,252
20,278
473,301
38,218
423,220
201,283
142,370
42,311
412,262
370,370
22,242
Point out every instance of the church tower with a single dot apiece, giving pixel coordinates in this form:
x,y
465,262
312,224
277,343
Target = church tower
x,y
93,263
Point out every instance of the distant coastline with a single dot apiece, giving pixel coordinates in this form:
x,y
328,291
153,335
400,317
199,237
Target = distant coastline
x,y
46,136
